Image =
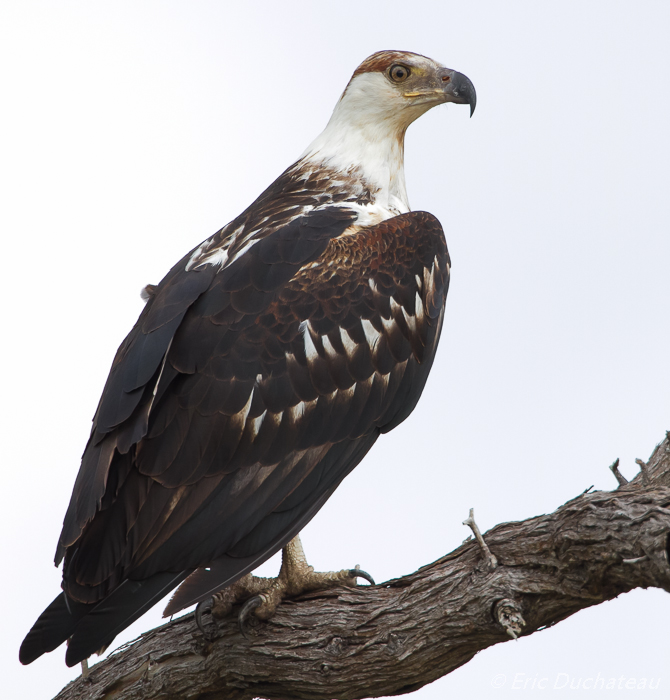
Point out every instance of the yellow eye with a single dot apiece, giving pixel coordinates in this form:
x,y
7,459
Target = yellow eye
x,y
398,73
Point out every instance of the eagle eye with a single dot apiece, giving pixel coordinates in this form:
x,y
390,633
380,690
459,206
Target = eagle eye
x,y
398,73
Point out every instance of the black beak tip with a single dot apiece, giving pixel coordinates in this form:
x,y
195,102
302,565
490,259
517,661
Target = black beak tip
x,y
462,91
471,94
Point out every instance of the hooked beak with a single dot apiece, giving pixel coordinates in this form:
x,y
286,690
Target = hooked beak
x,y
458,88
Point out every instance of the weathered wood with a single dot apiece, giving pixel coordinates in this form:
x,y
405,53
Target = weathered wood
x,y
396,637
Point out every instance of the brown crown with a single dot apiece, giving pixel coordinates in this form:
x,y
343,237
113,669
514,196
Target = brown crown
x,y
382,60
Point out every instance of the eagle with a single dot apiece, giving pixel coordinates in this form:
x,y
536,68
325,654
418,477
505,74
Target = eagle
x,y
262,369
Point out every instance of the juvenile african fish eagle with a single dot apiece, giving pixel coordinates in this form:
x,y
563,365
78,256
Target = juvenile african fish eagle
x,y
262,369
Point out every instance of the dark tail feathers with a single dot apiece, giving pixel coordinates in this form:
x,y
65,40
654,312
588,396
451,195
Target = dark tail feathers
x,y
93,627
52,628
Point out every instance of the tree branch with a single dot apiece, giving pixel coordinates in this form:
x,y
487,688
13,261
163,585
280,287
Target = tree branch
x,y
396,637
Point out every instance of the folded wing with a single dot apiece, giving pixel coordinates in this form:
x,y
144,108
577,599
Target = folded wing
x,y
239,402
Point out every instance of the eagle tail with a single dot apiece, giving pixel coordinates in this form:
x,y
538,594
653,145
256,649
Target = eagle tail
x,y
92,627
52,628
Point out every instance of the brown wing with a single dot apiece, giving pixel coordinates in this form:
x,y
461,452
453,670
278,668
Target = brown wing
x,y
348,344
142,381
236,406
265,402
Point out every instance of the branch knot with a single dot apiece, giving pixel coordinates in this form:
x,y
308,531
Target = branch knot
x,y
507,613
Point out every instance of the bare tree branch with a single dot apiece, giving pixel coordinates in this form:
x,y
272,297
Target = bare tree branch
x,y
398,636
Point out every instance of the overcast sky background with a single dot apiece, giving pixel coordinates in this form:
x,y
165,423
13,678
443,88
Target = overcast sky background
x,y
131,131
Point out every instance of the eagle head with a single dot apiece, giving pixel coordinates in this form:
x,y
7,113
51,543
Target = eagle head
x,y
365,134
400,86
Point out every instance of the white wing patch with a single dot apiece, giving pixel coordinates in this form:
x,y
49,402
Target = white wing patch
x,y
199,251
297,412
418,307
372,335
328,346
348,343
310,348
388,324
255,424
410,320
429,277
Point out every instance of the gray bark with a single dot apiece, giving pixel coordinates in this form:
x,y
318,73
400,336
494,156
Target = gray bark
x,y
398,636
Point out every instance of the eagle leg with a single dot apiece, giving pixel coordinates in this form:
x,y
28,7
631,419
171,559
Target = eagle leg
x,y
262,596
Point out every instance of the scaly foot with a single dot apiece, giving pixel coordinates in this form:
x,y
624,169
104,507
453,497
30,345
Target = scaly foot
x,y
263,595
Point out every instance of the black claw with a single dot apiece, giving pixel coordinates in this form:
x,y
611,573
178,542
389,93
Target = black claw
x,y
245,614
359,573
201,608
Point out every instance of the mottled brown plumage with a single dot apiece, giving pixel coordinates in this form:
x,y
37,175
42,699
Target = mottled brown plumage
x,y
372,307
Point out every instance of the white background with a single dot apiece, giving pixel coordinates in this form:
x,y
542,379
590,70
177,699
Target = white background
x,y
130,131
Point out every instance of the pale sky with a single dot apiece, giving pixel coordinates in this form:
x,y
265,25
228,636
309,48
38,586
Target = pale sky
x,y
131,131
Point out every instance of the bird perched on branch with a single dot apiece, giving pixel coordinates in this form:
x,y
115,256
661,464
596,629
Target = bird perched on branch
x,y
262,369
